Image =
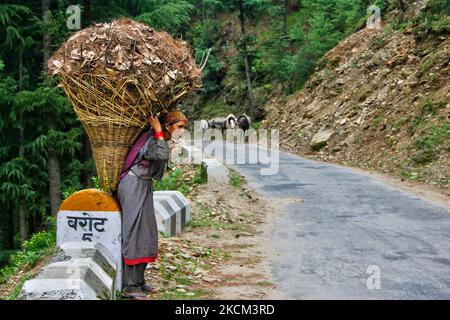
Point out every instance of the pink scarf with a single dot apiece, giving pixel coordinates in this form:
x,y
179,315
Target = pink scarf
x,y
134,151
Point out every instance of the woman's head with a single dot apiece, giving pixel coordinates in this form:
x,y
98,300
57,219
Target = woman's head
x,y
173,124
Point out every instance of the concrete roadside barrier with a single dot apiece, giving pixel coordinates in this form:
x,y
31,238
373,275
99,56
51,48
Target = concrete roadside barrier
x,y
56,289
79,271
214,171
173,211
193,154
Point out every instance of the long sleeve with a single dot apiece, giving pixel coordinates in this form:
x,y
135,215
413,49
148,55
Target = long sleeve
x,y
155,150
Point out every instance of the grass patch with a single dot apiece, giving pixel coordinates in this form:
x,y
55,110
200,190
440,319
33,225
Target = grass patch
x,y
401,122
236,179
265,284
435,140
206,219
174,180
256,125
409,175
14,295
183,281
391,143
377,121
381,40
429,109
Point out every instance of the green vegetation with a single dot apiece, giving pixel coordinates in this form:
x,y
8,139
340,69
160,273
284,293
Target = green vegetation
x,y
236,179
435,140
41,244
206,219
434,19
282,45
220,220
429,108
265,284
401,122
377,121
173,180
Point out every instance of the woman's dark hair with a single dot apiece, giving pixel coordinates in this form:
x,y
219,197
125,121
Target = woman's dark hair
x,y
171,117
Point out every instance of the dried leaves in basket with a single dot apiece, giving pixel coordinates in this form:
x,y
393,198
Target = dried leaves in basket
x,y
156,69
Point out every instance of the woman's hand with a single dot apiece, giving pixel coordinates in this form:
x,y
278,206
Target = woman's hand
x,y
154,122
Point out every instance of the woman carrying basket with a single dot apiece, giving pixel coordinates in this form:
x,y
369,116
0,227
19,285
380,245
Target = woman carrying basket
x,y
146,160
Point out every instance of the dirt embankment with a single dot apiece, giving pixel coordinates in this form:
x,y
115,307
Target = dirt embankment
x,y
380,100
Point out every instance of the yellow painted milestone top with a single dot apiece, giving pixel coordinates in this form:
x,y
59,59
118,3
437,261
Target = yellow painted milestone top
x,y
91,200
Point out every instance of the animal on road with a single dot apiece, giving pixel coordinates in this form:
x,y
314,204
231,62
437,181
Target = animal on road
x,y
229,122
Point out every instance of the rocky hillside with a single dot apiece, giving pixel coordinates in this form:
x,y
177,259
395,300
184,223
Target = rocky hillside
x,y
379,100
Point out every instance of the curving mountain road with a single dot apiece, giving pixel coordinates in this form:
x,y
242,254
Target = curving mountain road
x,y
352,237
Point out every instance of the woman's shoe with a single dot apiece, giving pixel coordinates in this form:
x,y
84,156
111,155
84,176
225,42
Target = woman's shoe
x,y
149,288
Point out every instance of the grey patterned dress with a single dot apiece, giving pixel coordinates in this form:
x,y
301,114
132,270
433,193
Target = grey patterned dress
x,y
135,194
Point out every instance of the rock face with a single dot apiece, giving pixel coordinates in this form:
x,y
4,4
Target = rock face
x,y
320,139
385,94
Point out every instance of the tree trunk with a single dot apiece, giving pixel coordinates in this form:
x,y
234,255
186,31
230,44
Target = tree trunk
x,y
54,172
9,232
246,62
402,7
46,36
7,228
23,219
23,216
285,14
54,175
203,13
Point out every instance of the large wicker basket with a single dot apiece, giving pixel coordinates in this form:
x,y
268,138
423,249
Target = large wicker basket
x,y
116,75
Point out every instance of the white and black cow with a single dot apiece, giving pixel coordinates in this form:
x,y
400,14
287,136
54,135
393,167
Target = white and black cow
x,y
229,122
244,122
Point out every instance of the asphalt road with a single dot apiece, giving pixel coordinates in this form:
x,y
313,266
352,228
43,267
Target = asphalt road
x,y
352,237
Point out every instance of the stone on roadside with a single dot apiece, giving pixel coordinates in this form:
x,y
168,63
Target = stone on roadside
x,y
320,139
